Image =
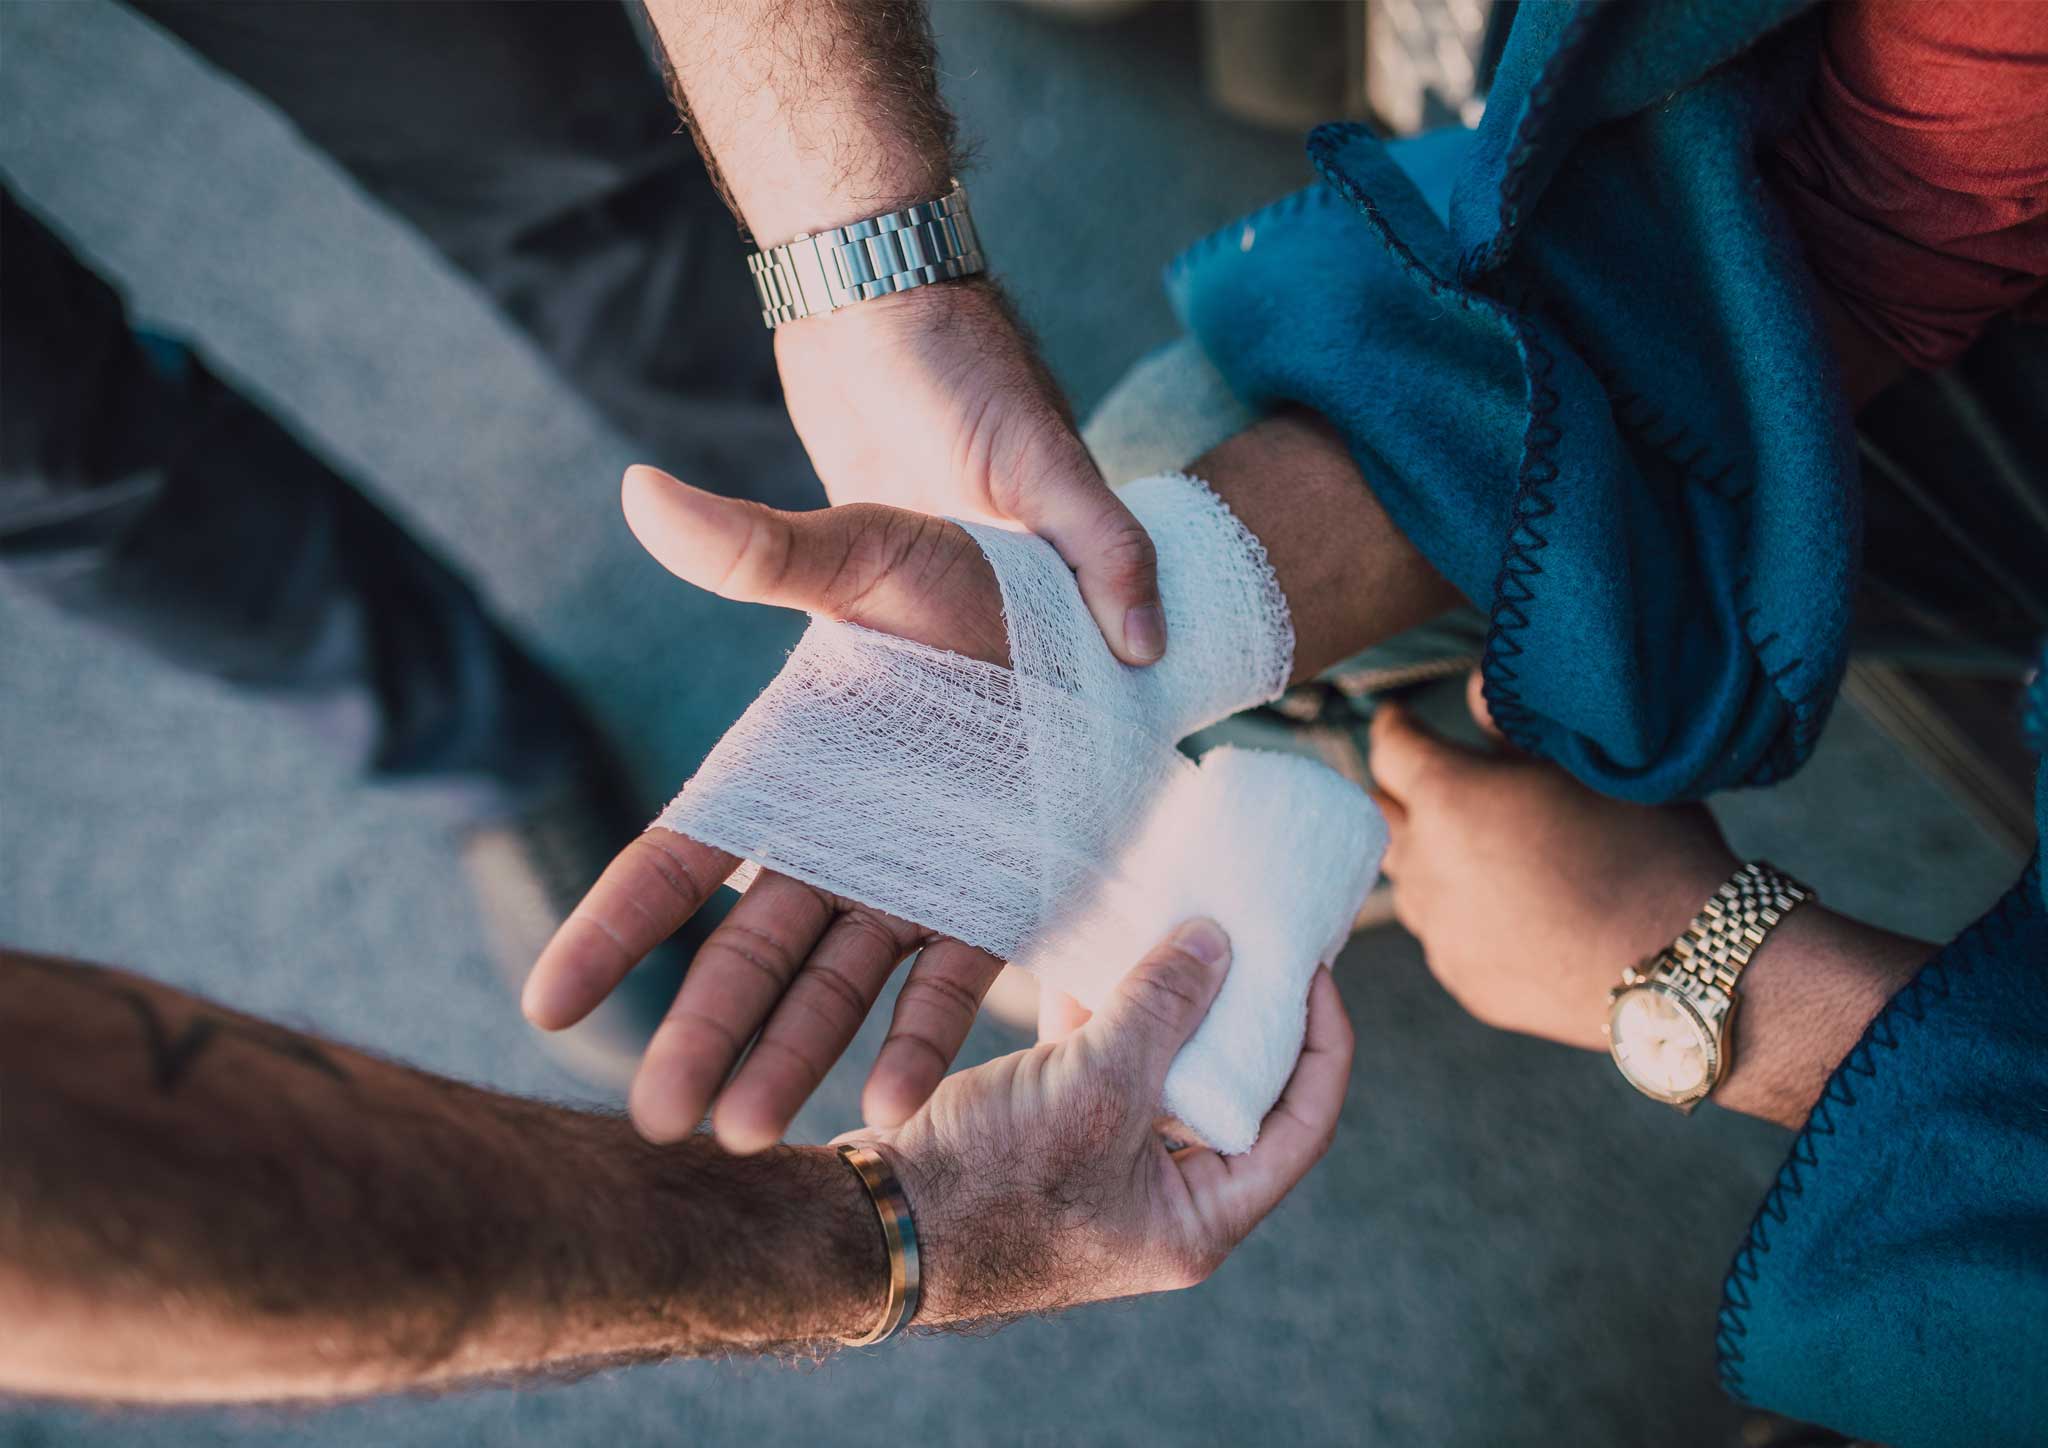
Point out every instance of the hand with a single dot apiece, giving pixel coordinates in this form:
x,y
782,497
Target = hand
x,y
1039,1181
1529,892
797,965
932,400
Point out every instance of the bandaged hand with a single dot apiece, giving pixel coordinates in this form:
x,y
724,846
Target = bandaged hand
x,y
803,964
799,965
1044,812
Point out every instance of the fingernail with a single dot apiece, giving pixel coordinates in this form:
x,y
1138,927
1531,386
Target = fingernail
x,y
649,477
1145,632
1204,940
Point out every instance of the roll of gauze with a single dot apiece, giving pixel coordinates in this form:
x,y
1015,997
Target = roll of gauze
x,y
1277,849
1042,811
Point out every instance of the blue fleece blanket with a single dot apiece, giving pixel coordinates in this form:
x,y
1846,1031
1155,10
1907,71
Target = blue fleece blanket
x,y
1579,358
1894,1284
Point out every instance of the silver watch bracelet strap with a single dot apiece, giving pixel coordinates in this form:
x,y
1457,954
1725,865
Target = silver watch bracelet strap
x,y
934,241
1732,925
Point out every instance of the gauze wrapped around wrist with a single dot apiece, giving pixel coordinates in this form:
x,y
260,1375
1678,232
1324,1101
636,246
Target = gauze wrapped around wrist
x,y
1042,812
1230,638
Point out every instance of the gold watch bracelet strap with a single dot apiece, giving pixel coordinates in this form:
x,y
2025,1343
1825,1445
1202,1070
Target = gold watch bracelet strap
x,y
899,1237
1733,924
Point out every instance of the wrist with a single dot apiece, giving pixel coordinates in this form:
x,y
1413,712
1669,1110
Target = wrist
x,y
851,1255
932,1184
1642,919
753,1252
1805,1000
1351,577
794,198
986,1239
1660,903
891,320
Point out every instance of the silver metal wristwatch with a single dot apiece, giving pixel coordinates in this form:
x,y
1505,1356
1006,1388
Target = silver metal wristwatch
x,y
930,242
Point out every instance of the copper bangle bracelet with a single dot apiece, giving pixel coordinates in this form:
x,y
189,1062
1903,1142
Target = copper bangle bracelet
x,y
899,1237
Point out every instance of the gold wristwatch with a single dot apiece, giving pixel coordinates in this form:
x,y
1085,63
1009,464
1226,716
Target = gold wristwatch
x,y
1667,1022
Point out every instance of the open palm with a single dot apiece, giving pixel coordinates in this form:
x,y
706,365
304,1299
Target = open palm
x,y
792,969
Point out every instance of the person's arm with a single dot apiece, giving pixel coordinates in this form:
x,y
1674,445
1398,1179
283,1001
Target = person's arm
x,y
1892,1284
810,116
199,1205
816,115
195,1203
1352,579
802,968
1531,894
1917,178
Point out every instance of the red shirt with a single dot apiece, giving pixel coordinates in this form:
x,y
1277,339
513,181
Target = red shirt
x,y
1918,177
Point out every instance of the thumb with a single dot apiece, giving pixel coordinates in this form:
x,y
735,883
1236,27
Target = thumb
x,y
728,546
901,573
1164,998
1482,712
1406,760
1112,556
1059,1014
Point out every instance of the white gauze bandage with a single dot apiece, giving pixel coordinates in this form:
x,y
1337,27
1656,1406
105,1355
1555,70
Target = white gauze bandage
x,y
1043,812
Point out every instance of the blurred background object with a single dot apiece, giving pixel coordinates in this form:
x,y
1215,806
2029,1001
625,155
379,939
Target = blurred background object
x,y
1288,64
1449,1274
1428,62
1407,65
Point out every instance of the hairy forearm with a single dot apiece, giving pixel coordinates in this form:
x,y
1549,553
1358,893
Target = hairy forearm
x,y
198,1205
813,113
1806,998
1352,579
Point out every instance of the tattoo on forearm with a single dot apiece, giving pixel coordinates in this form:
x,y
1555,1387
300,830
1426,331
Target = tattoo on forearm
x,y
170,1058
404,1230
173,1054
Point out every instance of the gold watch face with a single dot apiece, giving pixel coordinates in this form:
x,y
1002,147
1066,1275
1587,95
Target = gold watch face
x,y
1662,1045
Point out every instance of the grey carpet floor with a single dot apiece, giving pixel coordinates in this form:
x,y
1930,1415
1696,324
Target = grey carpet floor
x,y
1505,1246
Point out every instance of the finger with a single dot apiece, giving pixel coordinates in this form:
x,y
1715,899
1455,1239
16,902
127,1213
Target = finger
x,y
1301,1125
1396,815
1482,714
1107,547
1157,1006
730,546
1404,757
1059,1015
1393,809
903,573
811,1026
645,894
740,972
934,1012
